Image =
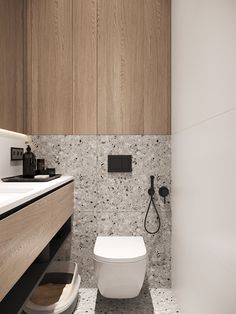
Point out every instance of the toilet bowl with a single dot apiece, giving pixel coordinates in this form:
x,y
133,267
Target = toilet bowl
x,y
120,266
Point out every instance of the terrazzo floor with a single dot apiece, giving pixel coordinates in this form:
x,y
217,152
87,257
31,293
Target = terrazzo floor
x,y
150,301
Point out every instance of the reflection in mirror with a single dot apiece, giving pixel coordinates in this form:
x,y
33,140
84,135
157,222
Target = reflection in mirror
x,y
11,64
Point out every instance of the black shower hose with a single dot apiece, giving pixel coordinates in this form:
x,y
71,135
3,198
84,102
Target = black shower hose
x,y
152,202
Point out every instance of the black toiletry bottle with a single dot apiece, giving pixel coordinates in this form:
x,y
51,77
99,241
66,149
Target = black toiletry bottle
x,y
29,163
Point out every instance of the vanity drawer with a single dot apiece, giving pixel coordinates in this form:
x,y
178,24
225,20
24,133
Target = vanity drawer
x,y
24,234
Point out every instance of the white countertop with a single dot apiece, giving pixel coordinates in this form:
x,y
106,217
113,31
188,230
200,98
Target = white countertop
x,y
18,193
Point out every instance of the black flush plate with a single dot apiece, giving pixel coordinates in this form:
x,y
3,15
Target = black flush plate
x,y
119,163
17,153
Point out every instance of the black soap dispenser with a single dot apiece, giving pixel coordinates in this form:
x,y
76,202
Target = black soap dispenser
x,y
29,163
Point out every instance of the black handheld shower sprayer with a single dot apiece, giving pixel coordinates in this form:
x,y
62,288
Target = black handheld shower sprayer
x,y
151,191
163,191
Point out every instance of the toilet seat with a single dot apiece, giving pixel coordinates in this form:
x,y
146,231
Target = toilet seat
x,y
113,249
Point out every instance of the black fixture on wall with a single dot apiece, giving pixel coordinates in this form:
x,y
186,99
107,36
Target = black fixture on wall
x,y
164,192
151,192
119,163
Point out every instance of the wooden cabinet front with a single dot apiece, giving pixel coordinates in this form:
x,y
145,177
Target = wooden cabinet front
x,y
156,93
50,79
133,67
98,66
24,234
84,66
120,66
11,65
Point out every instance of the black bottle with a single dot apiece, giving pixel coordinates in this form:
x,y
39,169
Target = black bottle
x,y
29,163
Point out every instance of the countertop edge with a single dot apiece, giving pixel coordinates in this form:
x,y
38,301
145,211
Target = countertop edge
x,y
39,188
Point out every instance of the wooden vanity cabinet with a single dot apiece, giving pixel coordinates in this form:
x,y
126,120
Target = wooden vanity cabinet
x,y
25,233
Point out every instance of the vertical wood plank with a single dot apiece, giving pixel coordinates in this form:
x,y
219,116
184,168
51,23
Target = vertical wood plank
x,y
52,82
11,65
27,68
157,66
120,66
85,66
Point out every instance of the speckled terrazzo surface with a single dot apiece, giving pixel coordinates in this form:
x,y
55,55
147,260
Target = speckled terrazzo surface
x,y
113,204
150,301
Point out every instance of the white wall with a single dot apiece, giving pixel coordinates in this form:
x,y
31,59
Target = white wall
x,y
204,154
10,139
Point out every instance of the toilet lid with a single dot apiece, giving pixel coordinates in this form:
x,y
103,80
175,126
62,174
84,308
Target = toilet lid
x,y
119,249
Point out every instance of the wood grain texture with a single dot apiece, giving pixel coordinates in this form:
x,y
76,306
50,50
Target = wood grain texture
x,y
157,66
11,65
27,68
24,234
85,66
51,48
120,66
103,67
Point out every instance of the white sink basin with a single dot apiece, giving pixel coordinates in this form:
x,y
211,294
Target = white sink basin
x,y
8,193
4,197
13,190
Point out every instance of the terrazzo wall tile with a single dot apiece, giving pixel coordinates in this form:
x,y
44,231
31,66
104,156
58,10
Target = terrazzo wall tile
x,y
111,203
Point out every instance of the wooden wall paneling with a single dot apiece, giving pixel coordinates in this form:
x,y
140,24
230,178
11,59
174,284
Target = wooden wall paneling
x,y
120,66
24,234
51,49
157,66
27,68
112,77
11,65
85,66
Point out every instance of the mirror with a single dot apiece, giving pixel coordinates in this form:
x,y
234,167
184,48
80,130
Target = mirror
x,y
12,65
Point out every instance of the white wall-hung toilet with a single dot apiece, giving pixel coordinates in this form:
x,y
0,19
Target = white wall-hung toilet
x,y
120,266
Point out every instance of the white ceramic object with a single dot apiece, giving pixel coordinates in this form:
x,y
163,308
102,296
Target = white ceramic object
x,y
69,296
120,266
